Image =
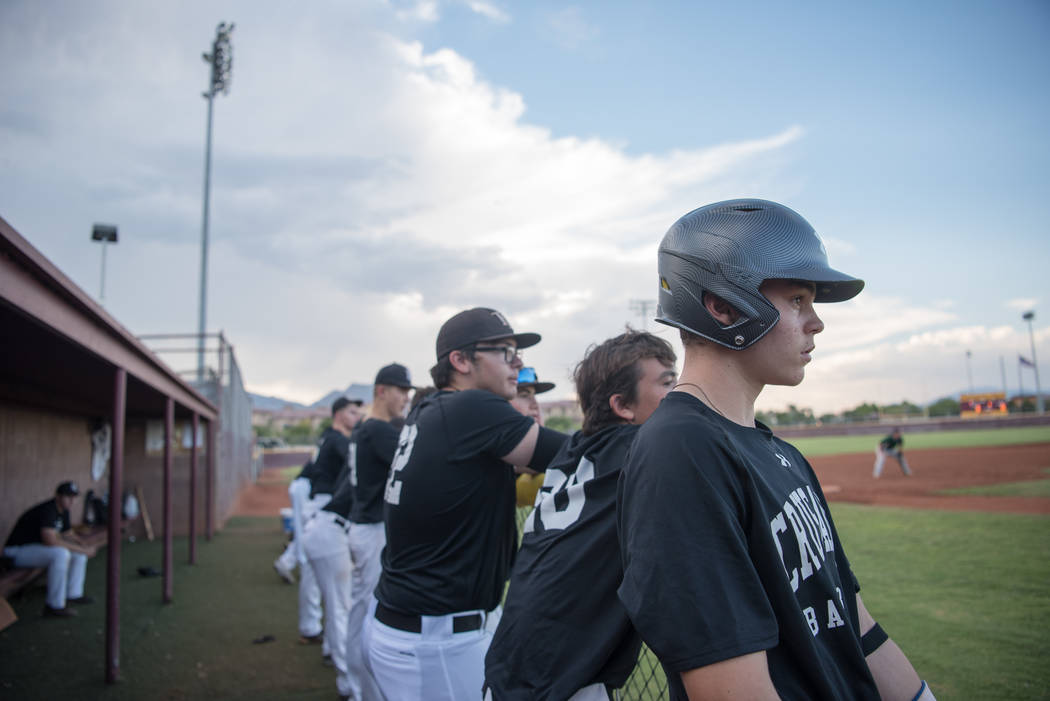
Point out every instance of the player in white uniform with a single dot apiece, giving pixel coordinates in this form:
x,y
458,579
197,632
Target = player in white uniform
x,y
451,536
372,447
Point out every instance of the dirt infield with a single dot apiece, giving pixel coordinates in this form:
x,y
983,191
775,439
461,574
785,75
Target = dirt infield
x,y
844,478
848,478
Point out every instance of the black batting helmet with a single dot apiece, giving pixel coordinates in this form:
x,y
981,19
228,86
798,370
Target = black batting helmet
x,y
729,248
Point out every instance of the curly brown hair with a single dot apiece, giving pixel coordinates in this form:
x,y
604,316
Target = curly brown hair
x,y
612,368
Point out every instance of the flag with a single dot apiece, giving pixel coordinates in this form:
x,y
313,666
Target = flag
x,y
1025,362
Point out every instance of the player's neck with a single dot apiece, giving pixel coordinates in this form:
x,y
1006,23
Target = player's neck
x,y
716,379
379,412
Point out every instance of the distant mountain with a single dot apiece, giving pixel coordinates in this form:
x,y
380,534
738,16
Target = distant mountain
x,y
260,401
354,391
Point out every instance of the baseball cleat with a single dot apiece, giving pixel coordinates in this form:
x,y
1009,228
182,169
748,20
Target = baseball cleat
x,y
283,572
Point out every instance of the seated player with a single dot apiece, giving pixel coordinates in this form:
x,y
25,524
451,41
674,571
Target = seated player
x,y
43,537
564,633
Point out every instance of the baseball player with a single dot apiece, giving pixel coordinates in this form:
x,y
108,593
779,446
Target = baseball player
x,y
733,571
449,514
564,634
529,385
372,447
892,445
329,462
43,537
299,495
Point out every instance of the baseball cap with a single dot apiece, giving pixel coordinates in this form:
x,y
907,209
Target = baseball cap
x,y
394,374
478,324
527,378
68,488
341,402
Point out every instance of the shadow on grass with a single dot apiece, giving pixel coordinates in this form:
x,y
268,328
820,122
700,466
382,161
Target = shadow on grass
x,y
198,647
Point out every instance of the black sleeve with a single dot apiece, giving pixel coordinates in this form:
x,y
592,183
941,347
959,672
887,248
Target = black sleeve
x,y
548,443
685,548
384,442
483,423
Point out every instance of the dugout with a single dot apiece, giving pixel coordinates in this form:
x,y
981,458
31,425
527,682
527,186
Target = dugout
x,y
67,368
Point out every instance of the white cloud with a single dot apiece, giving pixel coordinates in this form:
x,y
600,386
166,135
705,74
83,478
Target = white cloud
x,y
419,11
489,11
364,189
1023,304
570,29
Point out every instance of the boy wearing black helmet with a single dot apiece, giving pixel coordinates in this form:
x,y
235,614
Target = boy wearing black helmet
x,y
733,571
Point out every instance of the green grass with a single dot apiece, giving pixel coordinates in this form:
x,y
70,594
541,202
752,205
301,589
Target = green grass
x,y
839,445
200,646
963,594
1031,488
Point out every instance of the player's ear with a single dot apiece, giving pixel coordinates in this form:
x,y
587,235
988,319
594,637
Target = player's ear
x,y
621,408
720,310
460,361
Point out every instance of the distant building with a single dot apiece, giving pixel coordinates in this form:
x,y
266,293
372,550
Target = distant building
x,y
280,419
569,408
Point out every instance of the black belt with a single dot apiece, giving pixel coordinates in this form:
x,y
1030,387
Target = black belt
x,y
339,520
411,623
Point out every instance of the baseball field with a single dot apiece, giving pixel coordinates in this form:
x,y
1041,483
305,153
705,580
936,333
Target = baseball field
x,y
954,562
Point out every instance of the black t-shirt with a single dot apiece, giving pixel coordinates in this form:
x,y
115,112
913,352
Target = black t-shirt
x,y
729,549
343,498
372,447
563,626
44,515
891,443
449,508
330,461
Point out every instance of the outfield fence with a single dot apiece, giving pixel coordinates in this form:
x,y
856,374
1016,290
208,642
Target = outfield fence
x,y
647,682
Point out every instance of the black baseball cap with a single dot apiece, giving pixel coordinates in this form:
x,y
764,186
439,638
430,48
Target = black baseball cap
x,y
527,378
68,488
476,325
394,374
341,402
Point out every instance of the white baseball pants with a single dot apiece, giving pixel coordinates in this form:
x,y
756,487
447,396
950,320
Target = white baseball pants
x,y
65,569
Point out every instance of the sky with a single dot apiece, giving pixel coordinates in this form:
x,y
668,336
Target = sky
x,y
378,166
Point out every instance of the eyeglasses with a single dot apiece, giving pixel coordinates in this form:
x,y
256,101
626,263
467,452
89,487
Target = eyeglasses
x,y
510,353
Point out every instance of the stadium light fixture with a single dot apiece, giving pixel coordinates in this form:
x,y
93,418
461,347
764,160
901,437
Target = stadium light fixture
x,y
221,61
103,233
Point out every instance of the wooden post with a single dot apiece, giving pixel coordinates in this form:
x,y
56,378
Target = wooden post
x,y
116,515
193,490
169,431
209,485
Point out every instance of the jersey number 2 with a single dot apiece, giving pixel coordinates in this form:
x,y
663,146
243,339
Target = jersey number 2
x,y
405,441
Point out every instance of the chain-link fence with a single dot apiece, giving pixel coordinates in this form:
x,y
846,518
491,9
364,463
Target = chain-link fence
x,y
647,682
218,378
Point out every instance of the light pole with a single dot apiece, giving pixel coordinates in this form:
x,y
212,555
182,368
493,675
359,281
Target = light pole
x,y
969,371
221,61
642,307
103,233
1029,316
